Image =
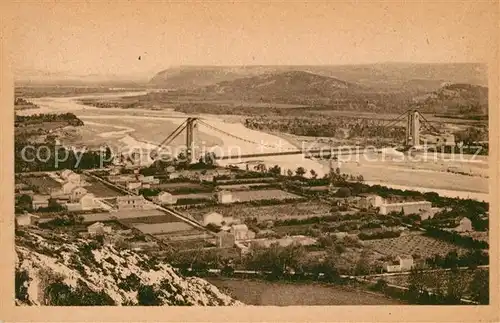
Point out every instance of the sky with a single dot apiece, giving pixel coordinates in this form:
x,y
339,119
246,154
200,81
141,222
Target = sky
x,y
82,38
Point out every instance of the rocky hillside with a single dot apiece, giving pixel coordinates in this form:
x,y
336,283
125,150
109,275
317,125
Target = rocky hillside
x,y
61,269
455,99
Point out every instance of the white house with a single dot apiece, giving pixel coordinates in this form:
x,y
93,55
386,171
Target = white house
x,y
70,177
40,201
88,202
77,193
417,207
68,187
166,198
401,263
27,219
98,228
131,186
465,225
241,232
130,202
212,217
224,197
148,179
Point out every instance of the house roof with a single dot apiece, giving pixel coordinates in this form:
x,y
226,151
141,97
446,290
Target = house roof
x,y
240,227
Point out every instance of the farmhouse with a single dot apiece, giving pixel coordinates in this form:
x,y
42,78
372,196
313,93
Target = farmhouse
x,y
370,200
132,186
407,207
224,197
166,198
70,177
77,193
401,263
98,228
130,202
40,201
465,225
68,187
148,179
27,219
241,232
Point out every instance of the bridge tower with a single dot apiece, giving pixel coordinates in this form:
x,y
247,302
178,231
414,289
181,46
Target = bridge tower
x,y
191,128
413,128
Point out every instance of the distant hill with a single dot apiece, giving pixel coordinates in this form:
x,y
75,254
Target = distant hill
x,y
455,99
291,86
383,76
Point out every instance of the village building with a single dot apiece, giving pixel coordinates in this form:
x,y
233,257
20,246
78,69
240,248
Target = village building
x,y
77,193
130,202
98,228
68,187
415,207
134,186
88,202
40,201
27,219
241,232
400,263
224,197
26,192
370,200
70,177
465,225
206,177
166,198
148,179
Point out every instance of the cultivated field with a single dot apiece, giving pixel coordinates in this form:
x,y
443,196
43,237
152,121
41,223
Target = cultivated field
x,y
255,292
43,183
262,213
162,228
99,189
412,244
153,219
256,195
133,215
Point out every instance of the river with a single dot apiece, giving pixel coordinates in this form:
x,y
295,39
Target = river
x,y
451,185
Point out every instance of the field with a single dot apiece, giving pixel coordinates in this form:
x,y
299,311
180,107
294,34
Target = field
x,y
433,279
43,183
163,218
284,211
254,292
246,196
99,189
162,228
133,215
412,244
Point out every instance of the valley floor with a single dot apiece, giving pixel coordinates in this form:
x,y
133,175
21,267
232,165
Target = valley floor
x,y
258,292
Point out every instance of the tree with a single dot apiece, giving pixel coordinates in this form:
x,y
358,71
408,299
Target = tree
x,y
314,174
479,287
147,296
300,171
275,170
289,173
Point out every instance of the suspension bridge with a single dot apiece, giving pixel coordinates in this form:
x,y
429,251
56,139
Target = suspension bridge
x,y
413,120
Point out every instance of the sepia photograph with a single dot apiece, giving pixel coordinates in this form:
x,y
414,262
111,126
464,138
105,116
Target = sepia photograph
x,y
237,154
